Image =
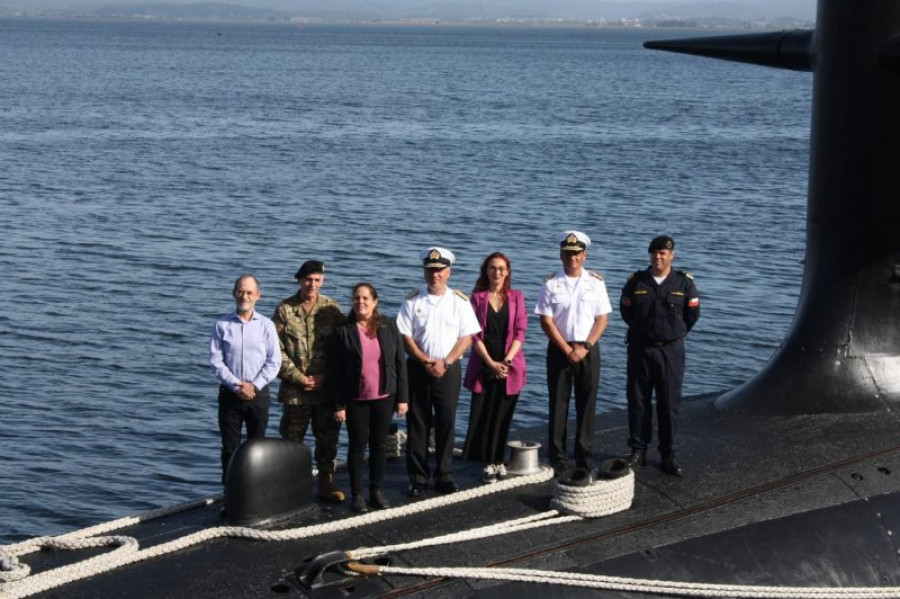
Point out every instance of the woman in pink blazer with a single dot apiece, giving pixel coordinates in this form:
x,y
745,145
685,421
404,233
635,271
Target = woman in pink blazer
x,y
496,371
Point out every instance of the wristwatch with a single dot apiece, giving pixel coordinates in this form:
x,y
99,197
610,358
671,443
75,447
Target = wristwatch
x,y
587,345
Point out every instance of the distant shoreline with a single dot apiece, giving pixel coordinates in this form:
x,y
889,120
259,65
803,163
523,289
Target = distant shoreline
x,y
423,22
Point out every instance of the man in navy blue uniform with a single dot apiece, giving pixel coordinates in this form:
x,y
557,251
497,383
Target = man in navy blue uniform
x,y
659,305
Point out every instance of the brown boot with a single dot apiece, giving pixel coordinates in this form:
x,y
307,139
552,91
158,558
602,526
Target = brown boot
x,y
328,490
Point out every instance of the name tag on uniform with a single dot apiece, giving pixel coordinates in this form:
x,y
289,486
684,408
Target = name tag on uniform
x,y
641,292
678,293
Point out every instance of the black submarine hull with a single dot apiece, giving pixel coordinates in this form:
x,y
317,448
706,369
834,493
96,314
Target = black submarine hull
x,y
808,501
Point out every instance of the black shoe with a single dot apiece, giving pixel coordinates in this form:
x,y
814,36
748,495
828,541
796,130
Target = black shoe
x,y
377,499
416,490
358,504
581,477
638,459
670,466
445,487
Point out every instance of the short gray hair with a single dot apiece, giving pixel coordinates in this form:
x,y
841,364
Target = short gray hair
x,y
237,282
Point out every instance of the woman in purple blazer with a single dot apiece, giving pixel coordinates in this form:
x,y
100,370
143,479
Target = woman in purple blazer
x,y
496,371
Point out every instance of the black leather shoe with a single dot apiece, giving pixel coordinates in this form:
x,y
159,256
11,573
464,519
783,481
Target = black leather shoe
x,y
446,486
670,466
377,499
638,459
581,477
358,504
416,490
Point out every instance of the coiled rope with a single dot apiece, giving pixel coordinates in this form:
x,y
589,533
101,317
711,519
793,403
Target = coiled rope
x,y
18,582
599,499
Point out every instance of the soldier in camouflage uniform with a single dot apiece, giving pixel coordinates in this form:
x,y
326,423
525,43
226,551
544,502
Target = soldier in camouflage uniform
x,y
304,322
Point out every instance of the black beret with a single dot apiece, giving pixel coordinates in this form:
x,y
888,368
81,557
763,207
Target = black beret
x,y
310,267
663,242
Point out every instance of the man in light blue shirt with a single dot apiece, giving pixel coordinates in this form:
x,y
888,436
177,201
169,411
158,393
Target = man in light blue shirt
x,y
245,356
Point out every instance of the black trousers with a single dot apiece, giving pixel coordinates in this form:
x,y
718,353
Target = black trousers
x,y
562,379
233,413
489,420
368,423
660,368
432,403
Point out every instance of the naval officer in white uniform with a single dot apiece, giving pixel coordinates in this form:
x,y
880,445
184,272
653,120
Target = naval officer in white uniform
x,y
573,305
437,324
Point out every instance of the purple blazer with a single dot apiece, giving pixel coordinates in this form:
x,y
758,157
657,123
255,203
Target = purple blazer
x,y
515,329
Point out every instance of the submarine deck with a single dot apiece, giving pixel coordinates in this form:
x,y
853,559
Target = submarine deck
x,y
755,488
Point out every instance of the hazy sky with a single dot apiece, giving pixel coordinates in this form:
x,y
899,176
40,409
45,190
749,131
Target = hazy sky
x,y
802,9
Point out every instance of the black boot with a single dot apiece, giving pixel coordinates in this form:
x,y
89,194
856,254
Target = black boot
x,y
670,466
377,498
358,504
638,459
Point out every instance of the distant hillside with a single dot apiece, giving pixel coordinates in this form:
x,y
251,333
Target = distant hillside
x,y
199,10
782,12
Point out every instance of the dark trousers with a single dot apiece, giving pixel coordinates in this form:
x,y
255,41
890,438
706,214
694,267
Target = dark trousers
x,y
368,422
233,413
660,368
489,420
432,403
562,379
296,420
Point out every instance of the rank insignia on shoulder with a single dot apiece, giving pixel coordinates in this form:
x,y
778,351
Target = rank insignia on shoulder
x,y
693,302
595,274
552,275
686,274
412,294
459,293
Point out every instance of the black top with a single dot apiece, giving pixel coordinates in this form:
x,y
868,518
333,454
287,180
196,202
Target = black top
x,y
659,312
495,331
345,361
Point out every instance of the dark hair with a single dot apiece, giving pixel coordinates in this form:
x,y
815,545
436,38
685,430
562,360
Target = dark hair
x,y
375,321
483,283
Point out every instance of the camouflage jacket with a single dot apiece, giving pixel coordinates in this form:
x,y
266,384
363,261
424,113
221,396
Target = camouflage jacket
x,y
304,346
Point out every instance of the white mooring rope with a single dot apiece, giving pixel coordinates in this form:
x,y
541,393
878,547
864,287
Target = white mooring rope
x,y
598,499
18,582
636,585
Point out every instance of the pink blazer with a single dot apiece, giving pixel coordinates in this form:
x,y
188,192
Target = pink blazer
x,y
518,322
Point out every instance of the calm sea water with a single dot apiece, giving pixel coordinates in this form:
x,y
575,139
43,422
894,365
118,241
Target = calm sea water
x,y
146,165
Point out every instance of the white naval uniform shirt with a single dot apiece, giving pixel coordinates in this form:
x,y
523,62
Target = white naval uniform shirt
x,y
574,304
437,322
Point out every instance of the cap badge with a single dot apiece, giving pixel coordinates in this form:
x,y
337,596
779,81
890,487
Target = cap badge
x,y
571,239
434,255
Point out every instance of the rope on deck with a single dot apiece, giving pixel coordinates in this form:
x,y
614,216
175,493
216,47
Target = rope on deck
x,y
635,585
18,582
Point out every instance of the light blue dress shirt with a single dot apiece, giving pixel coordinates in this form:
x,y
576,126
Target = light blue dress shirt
x,y
244,351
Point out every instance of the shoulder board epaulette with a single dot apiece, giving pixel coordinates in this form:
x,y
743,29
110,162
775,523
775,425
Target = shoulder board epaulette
x,y
550,276
595,274
686,274
412,294
461,294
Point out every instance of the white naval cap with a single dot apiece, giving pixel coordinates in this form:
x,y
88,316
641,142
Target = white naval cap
x,y
437,257
573,241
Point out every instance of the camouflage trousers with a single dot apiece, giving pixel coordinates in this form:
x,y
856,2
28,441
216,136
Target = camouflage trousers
x,y
295,421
